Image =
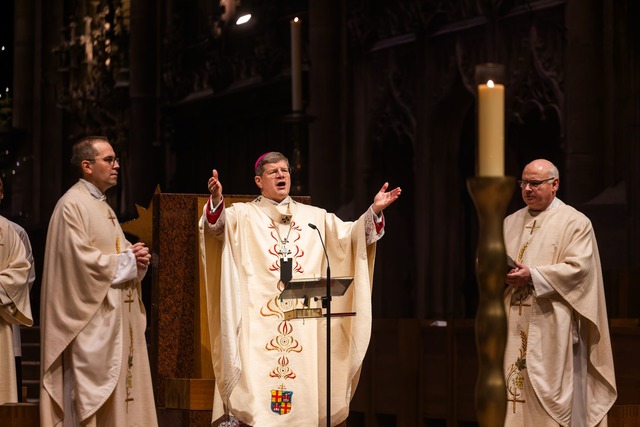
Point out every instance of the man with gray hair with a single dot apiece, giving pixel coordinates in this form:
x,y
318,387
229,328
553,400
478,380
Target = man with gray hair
x,y
558,360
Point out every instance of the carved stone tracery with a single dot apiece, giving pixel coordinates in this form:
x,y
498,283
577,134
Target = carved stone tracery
x,y
93,61
522,35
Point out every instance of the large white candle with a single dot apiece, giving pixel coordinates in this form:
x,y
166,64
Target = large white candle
x,y
296,65
490,129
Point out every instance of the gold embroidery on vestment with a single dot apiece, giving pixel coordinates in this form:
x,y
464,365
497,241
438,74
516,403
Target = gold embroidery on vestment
x,y
515,376
129,399
283,250
532,227
129,299
111,217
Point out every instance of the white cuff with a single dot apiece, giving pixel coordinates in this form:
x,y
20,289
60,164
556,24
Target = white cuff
x,y
540,285
127,268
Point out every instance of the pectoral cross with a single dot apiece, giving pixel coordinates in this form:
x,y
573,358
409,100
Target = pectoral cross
x,y
284,252
532,227
285,266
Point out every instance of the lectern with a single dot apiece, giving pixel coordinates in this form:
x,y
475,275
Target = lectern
x,y
323,288
315,288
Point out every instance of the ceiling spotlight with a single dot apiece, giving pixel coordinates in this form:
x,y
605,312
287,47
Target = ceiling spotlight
x,y
243,19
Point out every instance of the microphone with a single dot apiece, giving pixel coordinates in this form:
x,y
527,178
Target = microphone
x,y
328,296
323,247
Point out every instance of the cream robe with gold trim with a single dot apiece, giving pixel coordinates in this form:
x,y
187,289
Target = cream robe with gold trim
x,y
88,328
255,351
562,248
15,307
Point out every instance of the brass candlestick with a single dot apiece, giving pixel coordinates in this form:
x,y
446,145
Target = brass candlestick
x,y
491,196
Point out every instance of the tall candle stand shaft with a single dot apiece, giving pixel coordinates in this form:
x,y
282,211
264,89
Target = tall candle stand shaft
x,y
491,196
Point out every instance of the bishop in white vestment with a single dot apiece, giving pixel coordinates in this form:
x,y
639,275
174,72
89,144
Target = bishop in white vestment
x,y
270,370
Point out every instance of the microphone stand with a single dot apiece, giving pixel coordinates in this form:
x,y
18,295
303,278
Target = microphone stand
x,y
327,304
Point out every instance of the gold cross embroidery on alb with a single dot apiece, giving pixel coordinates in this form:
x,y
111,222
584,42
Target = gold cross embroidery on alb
x,y
533,227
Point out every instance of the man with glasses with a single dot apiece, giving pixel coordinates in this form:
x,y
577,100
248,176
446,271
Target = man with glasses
x,y
558,359
94,367
270,370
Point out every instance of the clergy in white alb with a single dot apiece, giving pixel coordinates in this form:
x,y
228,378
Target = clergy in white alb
x,y
17,341
95,366
15,308
270,370
17,338
558,361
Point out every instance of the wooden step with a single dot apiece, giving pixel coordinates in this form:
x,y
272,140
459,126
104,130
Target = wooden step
x,y
20,415
30,335
31,379
30,362
30,351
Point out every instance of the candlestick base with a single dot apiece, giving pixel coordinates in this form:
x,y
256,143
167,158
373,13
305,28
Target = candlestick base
x,y
491,196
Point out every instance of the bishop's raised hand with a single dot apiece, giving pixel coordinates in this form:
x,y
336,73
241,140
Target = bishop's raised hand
x,y
385,198
215,188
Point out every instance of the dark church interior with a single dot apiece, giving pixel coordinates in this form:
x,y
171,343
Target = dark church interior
x,y
387,95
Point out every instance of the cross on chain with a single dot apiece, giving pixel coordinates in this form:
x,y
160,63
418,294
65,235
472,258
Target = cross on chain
x,y
284,252
532,227
515,400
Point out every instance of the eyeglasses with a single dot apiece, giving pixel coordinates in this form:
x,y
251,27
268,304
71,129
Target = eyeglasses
x,y
274,172
533,184
109,160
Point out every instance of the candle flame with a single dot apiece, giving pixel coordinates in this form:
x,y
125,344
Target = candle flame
x,y
490,83
296,19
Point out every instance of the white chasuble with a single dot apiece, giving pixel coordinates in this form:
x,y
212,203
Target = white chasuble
x,y
558,360
95,367
271,371
15,308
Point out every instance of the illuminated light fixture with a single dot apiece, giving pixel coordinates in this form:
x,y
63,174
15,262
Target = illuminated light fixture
x,y
243,19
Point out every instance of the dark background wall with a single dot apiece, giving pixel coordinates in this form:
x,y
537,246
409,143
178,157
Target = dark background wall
x,y
388,96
